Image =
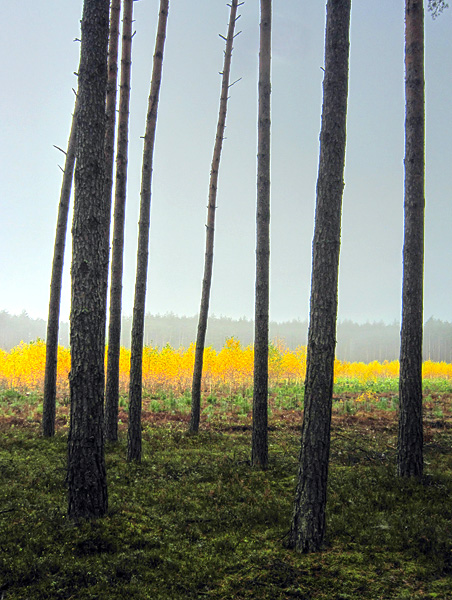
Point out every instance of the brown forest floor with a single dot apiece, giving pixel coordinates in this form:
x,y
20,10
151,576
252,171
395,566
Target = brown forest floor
x,y
437,416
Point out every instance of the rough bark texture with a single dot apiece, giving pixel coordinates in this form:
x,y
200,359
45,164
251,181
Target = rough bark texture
x,y
50,377
114,329
259,448
136,361
410,442
87,483
210,228
110,108
112,82
308,523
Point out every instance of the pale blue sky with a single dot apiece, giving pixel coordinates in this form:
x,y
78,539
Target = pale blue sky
x,y
36,101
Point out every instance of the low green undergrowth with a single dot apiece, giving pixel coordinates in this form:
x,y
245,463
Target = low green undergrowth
x,y
194,520
349,397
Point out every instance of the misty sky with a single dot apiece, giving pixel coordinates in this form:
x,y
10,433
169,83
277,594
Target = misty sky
x,y
36,102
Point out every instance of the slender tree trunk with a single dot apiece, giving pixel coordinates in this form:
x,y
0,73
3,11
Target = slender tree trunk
x,y
410,442
86,477
114,330
110,108
308,523
136,361
259,451
50,377
210,227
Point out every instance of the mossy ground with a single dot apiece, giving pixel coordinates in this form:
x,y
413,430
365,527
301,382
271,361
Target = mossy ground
x,y
194,520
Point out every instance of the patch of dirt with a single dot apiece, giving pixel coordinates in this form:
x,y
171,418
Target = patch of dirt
x,y
437,417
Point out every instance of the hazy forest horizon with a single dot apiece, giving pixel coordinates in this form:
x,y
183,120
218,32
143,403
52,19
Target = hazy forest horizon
x,y
361,342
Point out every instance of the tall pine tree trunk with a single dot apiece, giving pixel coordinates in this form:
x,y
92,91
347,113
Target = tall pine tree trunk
x,y
114,330
308,523
50,377
410,441
259,451
86,477
210,227
110,107
136,361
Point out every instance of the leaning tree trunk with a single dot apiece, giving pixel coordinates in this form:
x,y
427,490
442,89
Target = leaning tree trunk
x,y
114,329
259,451
308,523
86,477
410,441
136,360
210,227
50,376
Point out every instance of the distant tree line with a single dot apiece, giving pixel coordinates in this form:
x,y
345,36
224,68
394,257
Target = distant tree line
x,y
23,328
356,342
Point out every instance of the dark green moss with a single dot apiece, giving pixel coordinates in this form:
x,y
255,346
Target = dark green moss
x,y
194,520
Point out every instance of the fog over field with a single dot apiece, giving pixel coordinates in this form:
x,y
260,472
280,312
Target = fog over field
x,y
36,102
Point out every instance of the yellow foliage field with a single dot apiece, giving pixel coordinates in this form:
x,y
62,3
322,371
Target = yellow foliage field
x,y
169,368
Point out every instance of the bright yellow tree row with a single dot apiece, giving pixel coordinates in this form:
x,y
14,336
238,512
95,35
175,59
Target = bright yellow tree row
x,y
171,369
